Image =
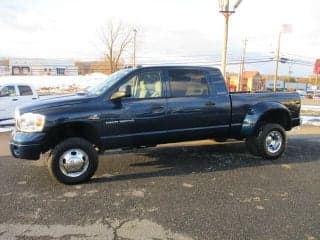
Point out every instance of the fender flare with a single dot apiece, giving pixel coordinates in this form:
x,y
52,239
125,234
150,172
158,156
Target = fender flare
x,y
257,112
63,124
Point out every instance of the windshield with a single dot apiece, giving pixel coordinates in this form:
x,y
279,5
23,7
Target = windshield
x,y
107,83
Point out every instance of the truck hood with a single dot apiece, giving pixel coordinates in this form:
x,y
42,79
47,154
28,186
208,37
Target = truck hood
x,y
55,102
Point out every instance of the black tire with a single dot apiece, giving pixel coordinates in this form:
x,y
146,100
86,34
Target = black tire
x,y
277,134
81,149
252,146
220,139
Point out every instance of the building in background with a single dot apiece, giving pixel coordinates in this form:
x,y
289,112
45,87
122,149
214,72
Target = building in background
x,y
99,66
4,67
251,81
289,86
89,67
38,67
85,67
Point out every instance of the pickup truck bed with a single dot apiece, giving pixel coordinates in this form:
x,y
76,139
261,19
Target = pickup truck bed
x,y
259,103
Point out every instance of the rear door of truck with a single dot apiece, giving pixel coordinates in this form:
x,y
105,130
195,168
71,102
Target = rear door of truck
x,y
26,94
198,104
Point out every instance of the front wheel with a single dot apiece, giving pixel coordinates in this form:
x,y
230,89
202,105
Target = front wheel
x,y
73,161
271,141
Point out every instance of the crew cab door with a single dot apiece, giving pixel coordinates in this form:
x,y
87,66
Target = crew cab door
x,y
196,110
9,99
139,119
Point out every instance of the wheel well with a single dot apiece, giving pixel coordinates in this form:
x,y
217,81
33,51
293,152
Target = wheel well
x,y
278,116
68,130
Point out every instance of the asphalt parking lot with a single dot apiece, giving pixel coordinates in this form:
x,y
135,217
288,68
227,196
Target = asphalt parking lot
x,y
194,190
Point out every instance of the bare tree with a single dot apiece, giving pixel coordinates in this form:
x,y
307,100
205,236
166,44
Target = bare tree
x,y
116,39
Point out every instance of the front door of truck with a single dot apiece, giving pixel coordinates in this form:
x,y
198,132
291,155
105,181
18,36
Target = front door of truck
x,y
140,118
195,110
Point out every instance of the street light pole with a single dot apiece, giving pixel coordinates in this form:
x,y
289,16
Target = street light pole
x,y
286,28
134,46
225,43
226,12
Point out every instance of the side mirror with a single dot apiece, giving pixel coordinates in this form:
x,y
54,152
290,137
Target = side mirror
x,y
128,91
121,94
117,95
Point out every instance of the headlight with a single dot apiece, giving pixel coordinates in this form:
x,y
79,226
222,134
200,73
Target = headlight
x,y
30,122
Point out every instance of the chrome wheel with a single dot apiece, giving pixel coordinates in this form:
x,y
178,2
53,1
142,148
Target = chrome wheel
x,y
74,162
273,142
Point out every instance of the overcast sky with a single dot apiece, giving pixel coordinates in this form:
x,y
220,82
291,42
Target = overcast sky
x,y
168,30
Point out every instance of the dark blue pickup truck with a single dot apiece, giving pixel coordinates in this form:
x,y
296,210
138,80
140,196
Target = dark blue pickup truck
x,y
146,106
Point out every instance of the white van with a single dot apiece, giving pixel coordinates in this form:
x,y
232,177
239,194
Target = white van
x,y
13,95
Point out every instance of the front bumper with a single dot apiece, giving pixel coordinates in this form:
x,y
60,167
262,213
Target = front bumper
x,y
26,145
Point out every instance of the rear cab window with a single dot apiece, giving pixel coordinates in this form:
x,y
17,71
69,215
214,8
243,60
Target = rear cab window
x,y
188,83
25,90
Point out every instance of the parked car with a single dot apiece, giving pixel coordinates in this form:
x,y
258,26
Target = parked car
x,y
146,106
13,95
302,93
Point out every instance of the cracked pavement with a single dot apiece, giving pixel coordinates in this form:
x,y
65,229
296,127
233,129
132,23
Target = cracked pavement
x,y
191,190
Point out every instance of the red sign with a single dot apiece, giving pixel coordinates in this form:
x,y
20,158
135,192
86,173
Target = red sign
x,y
316,69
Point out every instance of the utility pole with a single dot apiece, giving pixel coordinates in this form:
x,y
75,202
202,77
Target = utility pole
x,y
242,64
226,11
289,77
134,46
290,71
277,64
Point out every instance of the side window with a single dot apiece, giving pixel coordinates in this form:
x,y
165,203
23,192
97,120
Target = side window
x,y
8,91
25,91
188,83
145,85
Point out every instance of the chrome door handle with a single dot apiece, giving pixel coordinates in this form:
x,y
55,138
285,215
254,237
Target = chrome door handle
x,y
157,108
